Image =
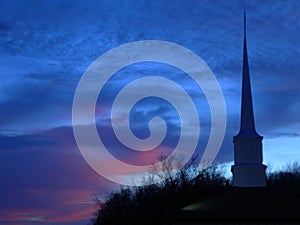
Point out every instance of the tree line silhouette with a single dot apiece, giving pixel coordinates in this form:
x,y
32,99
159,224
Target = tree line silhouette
x,y
150,204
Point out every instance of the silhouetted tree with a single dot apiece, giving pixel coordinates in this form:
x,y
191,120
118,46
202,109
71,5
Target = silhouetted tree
x,y
287,179
148,204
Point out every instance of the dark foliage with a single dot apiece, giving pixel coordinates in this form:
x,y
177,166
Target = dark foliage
x,y
149,204
287,180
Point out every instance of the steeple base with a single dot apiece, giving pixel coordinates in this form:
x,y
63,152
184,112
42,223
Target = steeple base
x,y
249,175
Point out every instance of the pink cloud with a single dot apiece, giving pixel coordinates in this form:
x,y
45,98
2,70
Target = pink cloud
x,y
62,206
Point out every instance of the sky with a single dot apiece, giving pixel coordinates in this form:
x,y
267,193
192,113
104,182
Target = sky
x,y
46,47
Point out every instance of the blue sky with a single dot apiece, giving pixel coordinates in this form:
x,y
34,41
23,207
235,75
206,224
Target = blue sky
x,y
46,46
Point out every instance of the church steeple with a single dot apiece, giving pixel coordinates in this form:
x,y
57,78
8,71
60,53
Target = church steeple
x,y
248,170
247,126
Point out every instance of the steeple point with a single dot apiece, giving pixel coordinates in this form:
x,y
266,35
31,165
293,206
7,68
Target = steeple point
x,y
244,23
247,126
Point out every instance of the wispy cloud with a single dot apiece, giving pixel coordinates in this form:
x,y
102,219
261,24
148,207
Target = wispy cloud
x,y
45,48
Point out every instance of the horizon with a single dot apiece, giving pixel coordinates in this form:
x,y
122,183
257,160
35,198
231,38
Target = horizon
x,y
46,47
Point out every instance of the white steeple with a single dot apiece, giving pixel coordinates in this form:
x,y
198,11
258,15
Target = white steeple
x,y
248,170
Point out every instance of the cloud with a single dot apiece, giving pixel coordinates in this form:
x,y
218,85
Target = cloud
x,y
46,47
46,179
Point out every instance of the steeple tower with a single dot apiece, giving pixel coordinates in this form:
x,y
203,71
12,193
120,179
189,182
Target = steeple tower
x,y
248,170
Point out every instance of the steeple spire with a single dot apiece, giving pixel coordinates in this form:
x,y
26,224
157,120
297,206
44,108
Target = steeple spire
x,y
247,126
245,24
248,170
